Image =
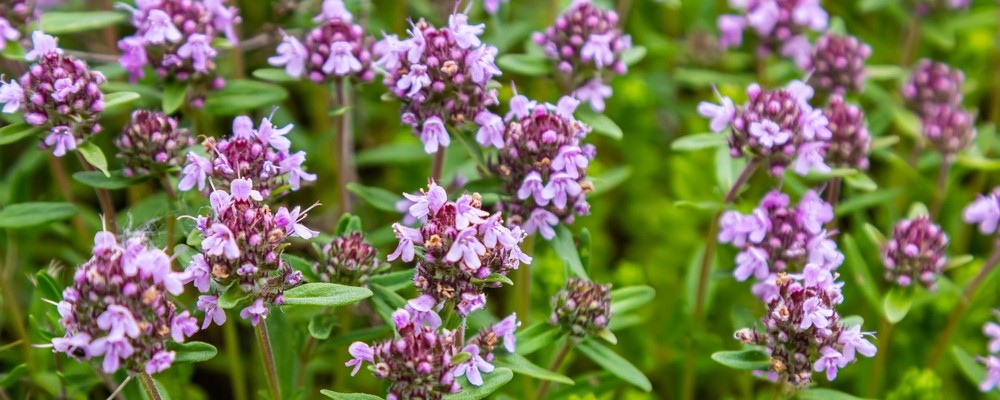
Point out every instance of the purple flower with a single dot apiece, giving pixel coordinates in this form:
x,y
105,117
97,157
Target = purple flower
x,y
466,213
242,190
11,95
472,368
814,212
816,125
213,313
333,9
255,312
811,158
814,314
541,221
61,139
118,321
7,33
274,136
731,30
494,232
561,186
491,128
421,310
219,241
428,203
566,106
290,222
160,29
434,134
155,264
570,159
810,13
492,6
113,349
183,325
199,49
390,48
160,361
42,44
471,302
195,172
361,352
134,57
594,92
481,64
407,237
466,36
598,49
830,361
769,133
764,17
853,341
520,107
823,251
505,329
414,80
341,61
752,261
292,54
814,275
736,228
992,373
70,345
532,187
292,164
984,211
467,248
798,49
721,115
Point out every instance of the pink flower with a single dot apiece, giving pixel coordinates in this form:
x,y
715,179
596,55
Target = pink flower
x,y
290,222
505,329
481,64
434,135
731,30
421,310
341,61
219,240
561,186
118,321
769,133
472,368
182,325
195,172
428,203
467,248
466,36
11,95
491,129
200,273
292,54
293,165
213,313
133,57
333,9
61,138
984,211
598,49
255,312
414,80
542,221
199,49
752,261
407,238
160,29
42,44
114,349
594,92
160,361
830,360
532,186
361,352
721,115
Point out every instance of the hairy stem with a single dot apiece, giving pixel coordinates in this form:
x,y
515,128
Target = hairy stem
x,y
554,367
149,387
238,381
345,145
267,356
116,392
880,358
438,165
959,310
912,40
6,271
104,197
62,180
171,214
940,187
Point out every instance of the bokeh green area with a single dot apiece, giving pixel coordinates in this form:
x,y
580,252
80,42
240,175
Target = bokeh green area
x,y
648,229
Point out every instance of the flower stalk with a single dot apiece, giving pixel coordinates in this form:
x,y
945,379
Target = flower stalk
x,y
267,356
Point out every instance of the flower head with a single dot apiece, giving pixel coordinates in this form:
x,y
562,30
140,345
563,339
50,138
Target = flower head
x,y
582,307
915,252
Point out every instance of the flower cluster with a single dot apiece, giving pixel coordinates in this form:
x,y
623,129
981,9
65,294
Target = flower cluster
x,y
915,252
850,142
175,38
458,246
117,307
424,360
931,85
260,154
803,332
152,142
949,129
14,15
778,126
992,362
928,7
542,164
241,250
780,25
582,307
585,41
335,49
837,63
777,238
985,212
349,260
442,75
59,93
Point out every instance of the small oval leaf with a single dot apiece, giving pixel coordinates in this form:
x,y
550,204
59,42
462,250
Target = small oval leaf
x,y
116,180
192,351
379,198
240,96
95,157
630,298
25,215
57,23
14,132
699,141
753,359
491,382
525,64
325,294
348,396
614,363
523,366
116,101
896,304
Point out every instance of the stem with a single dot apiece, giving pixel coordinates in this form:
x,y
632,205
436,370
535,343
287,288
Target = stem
x,y
104,197
62,180
912,39
11,302
523,283
238,382
304,356
438,165
883,354
345,145
942,185
171,219
117,392
149,387
270,371
833,194
963,304
554,366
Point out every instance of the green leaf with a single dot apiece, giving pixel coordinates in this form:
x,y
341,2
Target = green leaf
x,y
564,246
884,72
232,296
958,261
193,352
336,112
874,234
386,301
525,64
978,163
116,180
536,336
325,294
47,286
727,168
862,276
174,94
26,215
699,205
57,23
14,51
753,358
609,180
633,55
348,223
614,363
14,132
600,123
95,157
379,198
523,366
240,96
861,182
896,304
394,281
607,335
10,378
862,202
274,75
825,394
491,382
918,209
348,396
494,278
699,141
852,320
630,298
116,101
391,154
321,325
583,248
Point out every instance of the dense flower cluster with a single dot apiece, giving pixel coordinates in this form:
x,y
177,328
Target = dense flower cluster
x,y
458,246
777,238
992,361
949,129
152,142
802,330
241,250
336,49
422,361
350,260
837,63
262,155
442,75
585,41
778,126
780,25
582,307
928,7
14,15
932,85
175,38
59,93
542,163
117,307
985,212
915,252
850,142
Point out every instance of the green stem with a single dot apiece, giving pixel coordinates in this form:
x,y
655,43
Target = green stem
x,y
238,380
883,354
554,367
104,197
438,166
267,356
959,310
912,40
11,302
345,145
62,180
941,187
149,386
171,217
